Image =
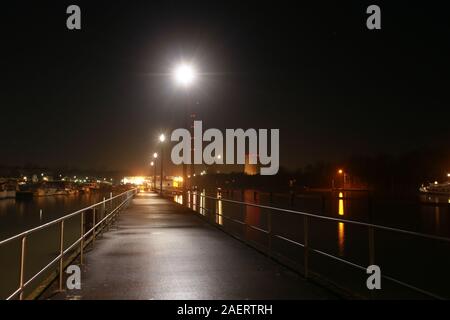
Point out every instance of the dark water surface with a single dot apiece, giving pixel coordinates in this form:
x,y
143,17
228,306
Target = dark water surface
x,y
418,261
42,246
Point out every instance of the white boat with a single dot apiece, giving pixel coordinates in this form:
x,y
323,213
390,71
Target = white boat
x,y
7,192
44,192
436,188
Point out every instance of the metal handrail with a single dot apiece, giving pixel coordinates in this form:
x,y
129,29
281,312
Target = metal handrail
x,y
50,223
307,248
23,236
365,224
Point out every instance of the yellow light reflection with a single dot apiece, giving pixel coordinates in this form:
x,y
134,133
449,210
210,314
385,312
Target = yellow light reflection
x,y
194,200
202,202
341,204
189,199
219,218
341,237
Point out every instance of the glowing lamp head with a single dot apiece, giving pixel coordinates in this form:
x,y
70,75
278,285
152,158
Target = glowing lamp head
x,y
340,171
184,75
155,155
152,163
162,138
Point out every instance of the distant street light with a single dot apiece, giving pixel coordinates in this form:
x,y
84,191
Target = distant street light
x,y
162,138
340,172
154,171
155,155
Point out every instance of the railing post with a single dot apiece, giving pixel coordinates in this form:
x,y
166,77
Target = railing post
x,y
22,266
269,229
110,201
82,238
323,204
371,246
372,255
306,245
371,233
61,253
93,225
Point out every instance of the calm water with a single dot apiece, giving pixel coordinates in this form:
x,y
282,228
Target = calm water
x,y
42,246
420,262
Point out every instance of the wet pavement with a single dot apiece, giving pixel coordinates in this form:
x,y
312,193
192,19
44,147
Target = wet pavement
x,y
160,250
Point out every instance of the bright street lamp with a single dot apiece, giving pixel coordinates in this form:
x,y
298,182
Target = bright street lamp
x,y
162,138
155,155
184,74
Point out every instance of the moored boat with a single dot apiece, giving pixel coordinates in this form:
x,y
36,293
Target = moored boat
x,y
436,188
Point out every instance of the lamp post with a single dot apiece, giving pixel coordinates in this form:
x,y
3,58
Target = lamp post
x,y
162,138
155,156
184,76
342,172
153,165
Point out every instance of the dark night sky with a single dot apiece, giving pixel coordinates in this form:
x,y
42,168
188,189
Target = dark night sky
x,y
97,98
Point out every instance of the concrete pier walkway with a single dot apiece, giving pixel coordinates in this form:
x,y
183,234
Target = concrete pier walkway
x,y
160,250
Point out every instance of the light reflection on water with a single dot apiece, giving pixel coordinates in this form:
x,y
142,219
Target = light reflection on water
x,y
341,226
194,200
219,218
188,199
203,202
341,238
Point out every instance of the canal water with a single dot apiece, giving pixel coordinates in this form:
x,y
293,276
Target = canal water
x,y
17,216
417,261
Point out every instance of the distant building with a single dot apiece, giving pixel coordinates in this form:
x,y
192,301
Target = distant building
x,y
250,169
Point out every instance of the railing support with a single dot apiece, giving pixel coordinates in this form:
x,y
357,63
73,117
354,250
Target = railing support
x,y
371,246
93,225
22,266
61,254
269,232
82,239
306,245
